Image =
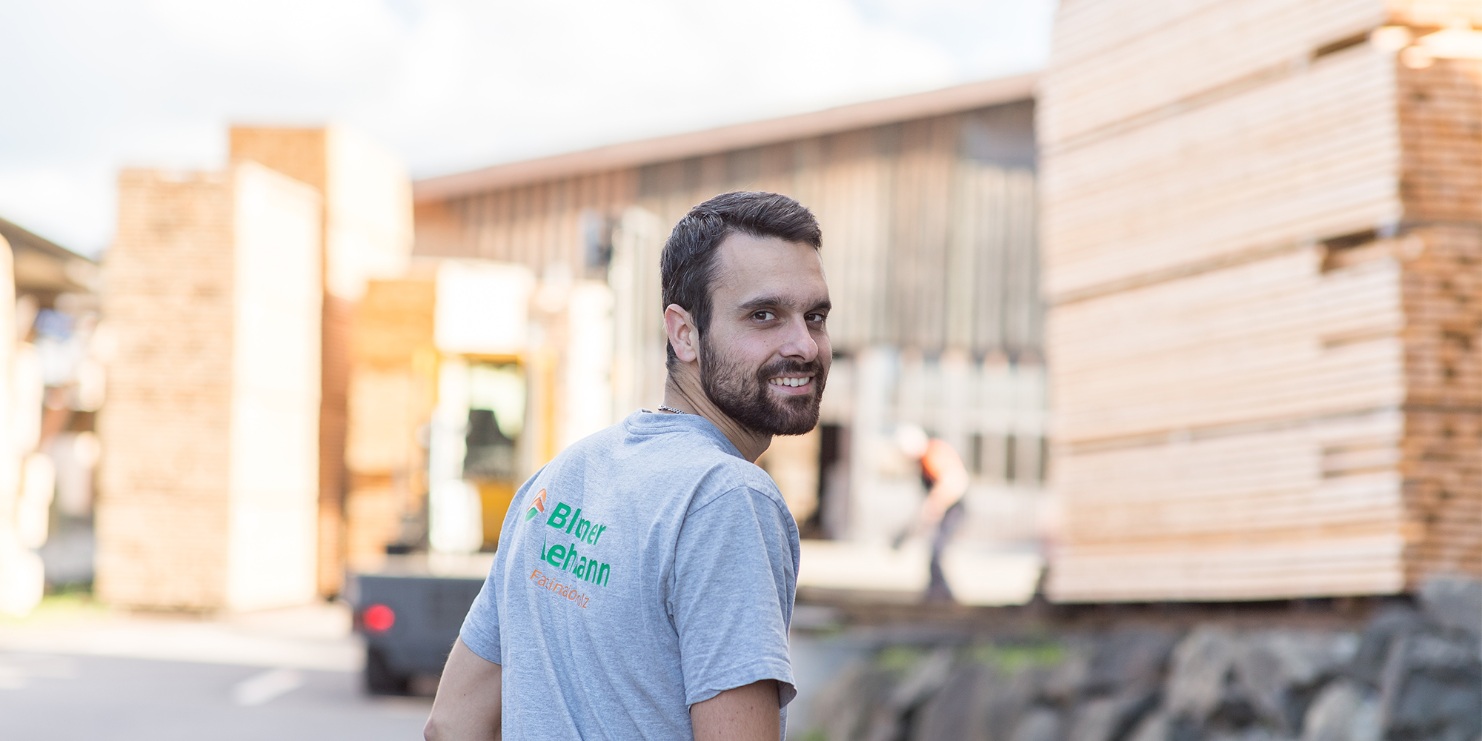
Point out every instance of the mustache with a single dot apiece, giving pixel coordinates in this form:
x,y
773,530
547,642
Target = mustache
x,y
782,367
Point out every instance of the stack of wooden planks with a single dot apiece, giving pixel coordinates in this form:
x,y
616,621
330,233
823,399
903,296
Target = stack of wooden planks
x,y
393,365
366,232
1263,262
208,481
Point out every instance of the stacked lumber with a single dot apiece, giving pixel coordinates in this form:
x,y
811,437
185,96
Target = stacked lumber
x,y
391,397
366,232
1262,262
208,477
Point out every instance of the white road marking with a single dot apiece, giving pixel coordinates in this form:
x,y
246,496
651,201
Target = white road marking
x,y
17,670
261,688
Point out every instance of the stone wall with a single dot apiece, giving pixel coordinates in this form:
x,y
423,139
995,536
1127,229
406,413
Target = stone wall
x,y
1403,671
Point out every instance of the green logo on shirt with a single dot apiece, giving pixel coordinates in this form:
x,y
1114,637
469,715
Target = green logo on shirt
x,y
570,558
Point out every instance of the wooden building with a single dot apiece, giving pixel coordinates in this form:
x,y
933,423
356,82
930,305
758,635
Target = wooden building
x,y
1263,260
927,204
42,285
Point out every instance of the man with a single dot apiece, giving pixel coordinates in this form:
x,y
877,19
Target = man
x,y
945,480
645,579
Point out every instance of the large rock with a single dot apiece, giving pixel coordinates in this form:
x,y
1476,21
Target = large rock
x,y
891,719
1039,724
1112,718
1281,672
1201,677
1248,734
1066,682
845,709
1155,727
1390,625
1343,711
1433,709
960,708
1454,603
1130,657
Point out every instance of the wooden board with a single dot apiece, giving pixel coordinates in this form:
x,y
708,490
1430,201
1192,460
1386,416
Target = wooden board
x,y
1273,339
1189,52
1307,156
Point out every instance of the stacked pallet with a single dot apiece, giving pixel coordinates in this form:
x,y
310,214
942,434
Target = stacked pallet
x,y
1265,324
391,397
208,482
366,232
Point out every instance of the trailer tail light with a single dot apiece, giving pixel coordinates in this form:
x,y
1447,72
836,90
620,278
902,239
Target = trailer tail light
x,y
378,618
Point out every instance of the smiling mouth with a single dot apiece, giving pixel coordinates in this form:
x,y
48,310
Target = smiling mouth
x,y
791,382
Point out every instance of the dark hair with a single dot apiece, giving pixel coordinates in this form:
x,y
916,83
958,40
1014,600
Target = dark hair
x,y
687,265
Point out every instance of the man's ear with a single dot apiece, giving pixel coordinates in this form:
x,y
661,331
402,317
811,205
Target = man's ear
x,y
683,337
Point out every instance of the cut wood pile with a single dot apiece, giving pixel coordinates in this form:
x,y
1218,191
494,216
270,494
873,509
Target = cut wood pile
x,y
1263,263
208,481
393,364
366,232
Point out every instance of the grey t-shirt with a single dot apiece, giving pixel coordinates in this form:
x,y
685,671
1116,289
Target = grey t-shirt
x,y
647,568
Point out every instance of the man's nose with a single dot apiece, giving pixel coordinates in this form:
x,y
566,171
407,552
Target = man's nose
x,y
799,342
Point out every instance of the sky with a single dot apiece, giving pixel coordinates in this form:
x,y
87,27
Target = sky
x,y
92,86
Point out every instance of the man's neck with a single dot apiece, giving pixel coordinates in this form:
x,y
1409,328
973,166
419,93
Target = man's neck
x,y
683,392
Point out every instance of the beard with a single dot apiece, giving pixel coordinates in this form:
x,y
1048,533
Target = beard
x,y
744,397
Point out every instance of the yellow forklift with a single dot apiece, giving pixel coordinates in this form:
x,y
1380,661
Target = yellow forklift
x,y
457,405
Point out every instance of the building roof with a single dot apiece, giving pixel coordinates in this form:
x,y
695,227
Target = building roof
x,y
42,265
729,138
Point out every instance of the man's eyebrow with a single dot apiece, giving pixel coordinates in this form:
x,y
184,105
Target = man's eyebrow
x,y
768,302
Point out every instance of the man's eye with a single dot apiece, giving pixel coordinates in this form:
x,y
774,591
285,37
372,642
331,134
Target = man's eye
x,y
763,316
817,318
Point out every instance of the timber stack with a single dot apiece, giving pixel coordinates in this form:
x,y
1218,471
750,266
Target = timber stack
x,y
1263,265
365,232
392,365
208,476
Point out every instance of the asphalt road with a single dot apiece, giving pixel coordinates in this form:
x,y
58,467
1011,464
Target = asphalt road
x,y
290,676
46,696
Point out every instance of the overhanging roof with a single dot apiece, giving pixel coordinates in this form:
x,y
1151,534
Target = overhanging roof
x,y
41,264
728,138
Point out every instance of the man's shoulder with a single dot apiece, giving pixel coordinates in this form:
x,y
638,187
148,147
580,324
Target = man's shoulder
x,y
731,476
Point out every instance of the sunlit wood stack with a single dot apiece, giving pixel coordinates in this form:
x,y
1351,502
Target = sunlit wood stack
x,y
391,396
366,221
208,481
1263,258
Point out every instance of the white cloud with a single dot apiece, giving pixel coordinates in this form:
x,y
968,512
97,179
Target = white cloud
x,y
71,206
324,40
447,84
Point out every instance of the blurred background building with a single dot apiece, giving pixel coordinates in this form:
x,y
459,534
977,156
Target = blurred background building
x,y
51,387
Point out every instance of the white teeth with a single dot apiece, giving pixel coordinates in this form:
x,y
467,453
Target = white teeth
x,y
790,381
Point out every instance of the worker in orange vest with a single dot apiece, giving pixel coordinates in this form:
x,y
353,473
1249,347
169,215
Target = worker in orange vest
x,y
945,480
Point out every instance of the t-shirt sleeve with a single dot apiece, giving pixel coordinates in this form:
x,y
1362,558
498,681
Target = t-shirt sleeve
x,y
480,631
735,574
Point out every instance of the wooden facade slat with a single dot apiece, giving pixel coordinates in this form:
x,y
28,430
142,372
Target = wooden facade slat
x,y
906,217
